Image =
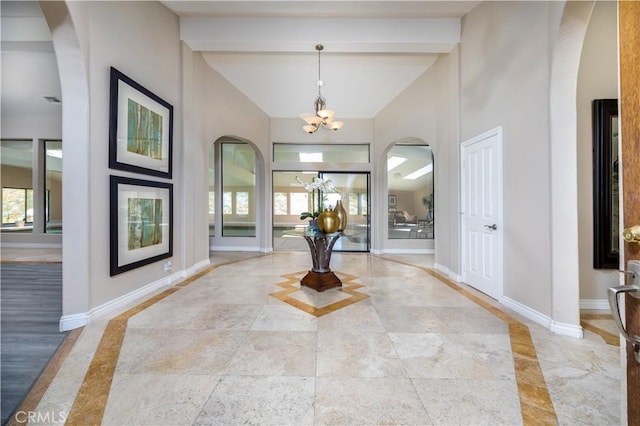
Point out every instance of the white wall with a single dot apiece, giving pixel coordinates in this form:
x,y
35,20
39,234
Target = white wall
x,y
504,66
420,112
221,110
44,124
32,126
504,81
118,34
597,79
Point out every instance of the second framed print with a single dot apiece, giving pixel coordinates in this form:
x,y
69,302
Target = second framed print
x,y
140,128
141,224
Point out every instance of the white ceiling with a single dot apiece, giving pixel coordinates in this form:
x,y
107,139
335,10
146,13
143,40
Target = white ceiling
x,y
29,69
373,50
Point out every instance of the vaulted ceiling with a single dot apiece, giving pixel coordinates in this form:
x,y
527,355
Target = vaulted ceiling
x,y
373,50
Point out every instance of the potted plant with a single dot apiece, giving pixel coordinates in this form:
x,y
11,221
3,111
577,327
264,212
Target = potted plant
x,y
427,201
321,186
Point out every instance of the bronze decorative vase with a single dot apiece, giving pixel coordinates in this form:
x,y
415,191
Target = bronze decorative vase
x,y
328,221
342,215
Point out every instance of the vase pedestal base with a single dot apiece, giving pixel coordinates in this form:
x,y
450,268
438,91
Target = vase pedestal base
x,y
320,281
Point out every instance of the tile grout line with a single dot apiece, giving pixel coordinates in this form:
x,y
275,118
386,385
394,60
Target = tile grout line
x,y
89,406
609,338
37,391
535,402
91,401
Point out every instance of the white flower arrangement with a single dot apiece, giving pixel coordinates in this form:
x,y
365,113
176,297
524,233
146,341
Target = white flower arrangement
x,y
323,186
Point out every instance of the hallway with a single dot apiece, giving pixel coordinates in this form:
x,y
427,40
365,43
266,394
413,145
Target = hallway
x,y
241,343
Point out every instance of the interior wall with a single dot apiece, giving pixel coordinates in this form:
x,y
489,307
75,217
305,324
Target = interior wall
x,y
33,126
120,34
597,79
46,125
505,80
415,113
16,177
221,110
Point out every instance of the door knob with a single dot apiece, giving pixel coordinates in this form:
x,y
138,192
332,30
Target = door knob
x,y
632,234
491,227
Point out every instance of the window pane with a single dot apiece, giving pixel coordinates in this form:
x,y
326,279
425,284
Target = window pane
x,y
227,207
348,186
280,203
299,202
212,212
238,183
242,203
14,203
331,199
353,204
410,197
289,200
310,153
364,204
53,194
17,181
212,193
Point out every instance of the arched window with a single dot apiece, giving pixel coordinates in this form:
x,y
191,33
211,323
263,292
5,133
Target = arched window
x,y
236,206
410,196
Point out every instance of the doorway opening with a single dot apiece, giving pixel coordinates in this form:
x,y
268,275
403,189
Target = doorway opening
x,y
410,197
291,199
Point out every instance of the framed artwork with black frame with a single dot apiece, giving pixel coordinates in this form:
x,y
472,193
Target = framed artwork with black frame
x,y
392,200
606,217
141,223
140,128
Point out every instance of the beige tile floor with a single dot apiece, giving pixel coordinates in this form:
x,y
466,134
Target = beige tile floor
x,y
223,350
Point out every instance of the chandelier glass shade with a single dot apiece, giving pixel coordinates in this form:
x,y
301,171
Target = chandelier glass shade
x,y
322,117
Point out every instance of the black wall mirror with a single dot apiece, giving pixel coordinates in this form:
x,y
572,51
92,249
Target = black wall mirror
x,y
606,232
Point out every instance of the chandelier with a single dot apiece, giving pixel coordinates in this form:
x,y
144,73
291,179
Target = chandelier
x,y
323,116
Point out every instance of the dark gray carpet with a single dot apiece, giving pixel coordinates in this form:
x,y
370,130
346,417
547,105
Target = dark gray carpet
x,y
31,307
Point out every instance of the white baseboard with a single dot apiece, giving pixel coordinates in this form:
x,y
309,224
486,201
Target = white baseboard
x,y
596,304
32,245
527,312
447,272
564,329
235,248
115,306
70,322
196,268
407,251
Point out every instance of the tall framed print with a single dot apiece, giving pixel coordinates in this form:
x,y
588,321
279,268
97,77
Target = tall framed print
x,y
140,128
141,223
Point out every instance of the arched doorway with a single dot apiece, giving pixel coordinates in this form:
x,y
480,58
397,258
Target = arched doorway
x,y
235,216
410,199
565,309
74,85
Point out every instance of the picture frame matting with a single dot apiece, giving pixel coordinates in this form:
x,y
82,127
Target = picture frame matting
x,y
141,223
140,128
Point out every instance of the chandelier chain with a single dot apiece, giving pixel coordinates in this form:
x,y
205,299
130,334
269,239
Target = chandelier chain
x,y
319,49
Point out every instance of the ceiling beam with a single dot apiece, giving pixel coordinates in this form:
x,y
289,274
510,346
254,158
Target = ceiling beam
x,y
350,35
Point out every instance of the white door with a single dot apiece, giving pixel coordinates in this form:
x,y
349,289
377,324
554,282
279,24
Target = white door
x,y
482,212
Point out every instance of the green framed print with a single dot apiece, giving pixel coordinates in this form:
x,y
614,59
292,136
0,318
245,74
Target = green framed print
x,y
141,223
140,128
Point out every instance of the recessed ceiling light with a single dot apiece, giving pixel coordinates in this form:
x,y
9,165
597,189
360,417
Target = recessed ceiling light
x,y
394,162
420,172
